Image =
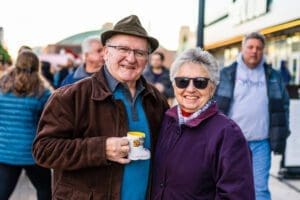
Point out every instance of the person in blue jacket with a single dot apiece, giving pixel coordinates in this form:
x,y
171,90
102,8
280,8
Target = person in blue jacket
x,y
253,94
157,74
23,95
92,51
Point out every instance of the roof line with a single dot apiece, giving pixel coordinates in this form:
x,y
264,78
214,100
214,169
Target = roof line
x,y
239,38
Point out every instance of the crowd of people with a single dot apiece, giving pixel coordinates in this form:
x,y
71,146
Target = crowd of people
x,y
72,124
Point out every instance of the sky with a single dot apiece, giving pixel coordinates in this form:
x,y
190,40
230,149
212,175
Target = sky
x,y
43,22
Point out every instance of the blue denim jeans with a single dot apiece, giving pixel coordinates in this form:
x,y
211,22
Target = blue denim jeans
x,y
40,178
261,156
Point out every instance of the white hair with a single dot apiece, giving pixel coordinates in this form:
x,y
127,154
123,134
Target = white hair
x,y
197,56
86,44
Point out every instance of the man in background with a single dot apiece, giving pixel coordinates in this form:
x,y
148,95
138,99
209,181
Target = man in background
x,y
92,52
158,75
253,94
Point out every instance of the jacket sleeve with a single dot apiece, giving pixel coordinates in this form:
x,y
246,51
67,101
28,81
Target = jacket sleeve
x,y
55,145
169,92
223,92
286,103
234,176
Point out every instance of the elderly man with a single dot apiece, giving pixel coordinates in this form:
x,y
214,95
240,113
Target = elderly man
x,y
92,51
253,94
82,130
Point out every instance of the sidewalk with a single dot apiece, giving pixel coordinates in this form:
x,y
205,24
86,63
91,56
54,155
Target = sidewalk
x,y
281,190
285,189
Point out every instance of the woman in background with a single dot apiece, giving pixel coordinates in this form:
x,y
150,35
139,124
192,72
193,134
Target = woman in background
x,y
200,154
23,95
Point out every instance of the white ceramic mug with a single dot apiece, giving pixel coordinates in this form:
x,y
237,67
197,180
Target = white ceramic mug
x,y
136,143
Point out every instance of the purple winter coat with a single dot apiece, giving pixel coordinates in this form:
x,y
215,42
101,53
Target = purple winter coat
x,y
208,158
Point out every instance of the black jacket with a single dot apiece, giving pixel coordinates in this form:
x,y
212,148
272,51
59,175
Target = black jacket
x,y
278,103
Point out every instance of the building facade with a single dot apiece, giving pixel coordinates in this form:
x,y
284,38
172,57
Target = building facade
x,y
73,44
1,35
227,23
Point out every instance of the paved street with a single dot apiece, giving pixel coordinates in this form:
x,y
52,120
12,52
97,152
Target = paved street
x,y
281,190
24,190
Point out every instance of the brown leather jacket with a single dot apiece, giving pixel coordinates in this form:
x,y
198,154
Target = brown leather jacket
x,y
72,136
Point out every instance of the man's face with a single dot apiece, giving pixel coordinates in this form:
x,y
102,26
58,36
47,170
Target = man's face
x,y
155,61
252,52
126,57
95,56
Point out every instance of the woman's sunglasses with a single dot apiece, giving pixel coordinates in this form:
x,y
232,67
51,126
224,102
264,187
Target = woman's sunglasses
x,y
199,82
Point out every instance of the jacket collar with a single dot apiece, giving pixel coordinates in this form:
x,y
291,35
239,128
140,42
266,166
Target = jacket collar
x,y
101,90
212,110
80,72
232,70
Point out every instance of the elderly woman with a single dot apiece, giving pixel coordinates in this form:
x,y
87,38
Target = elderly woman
x,y
201,154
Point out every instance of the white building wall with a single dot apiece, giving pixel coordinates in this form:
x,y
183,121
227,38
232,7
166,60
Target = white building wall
x,y
280,11
1,35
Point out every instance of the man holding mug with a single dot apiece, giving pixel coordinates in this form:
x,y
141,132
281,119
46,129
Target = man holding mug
x,y
82,130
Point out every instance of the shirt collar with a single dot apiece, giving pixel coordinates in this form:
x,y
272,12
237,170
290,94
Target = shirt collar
x,y
113,83
202,114
185,120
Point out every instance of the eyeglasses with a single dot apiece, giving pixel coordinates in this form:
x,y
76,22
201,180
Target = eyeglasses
x,y
198,82
126,50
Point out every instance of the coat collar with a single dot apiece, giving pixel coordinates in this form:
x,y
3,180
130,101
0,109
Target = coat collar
x,y
212,110
101,91
80,72
232,70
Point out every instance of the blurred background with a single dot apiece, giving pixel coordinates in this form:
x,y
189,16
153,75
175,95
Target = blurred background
x,y
55,29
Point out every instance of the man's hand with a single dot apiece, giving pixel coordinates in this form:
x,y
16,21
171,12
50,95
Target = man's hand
x,y
117,149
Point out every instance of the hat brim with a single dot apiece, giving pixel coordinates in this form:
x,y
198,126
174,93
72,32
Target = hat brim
x,y
108,34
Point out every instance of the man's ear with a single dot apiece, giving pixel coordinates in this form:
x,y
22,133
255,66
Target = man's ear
x,y
105,53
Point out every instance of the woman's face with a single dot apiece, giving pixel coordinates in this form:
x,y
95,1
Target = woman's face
x,y
190,98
